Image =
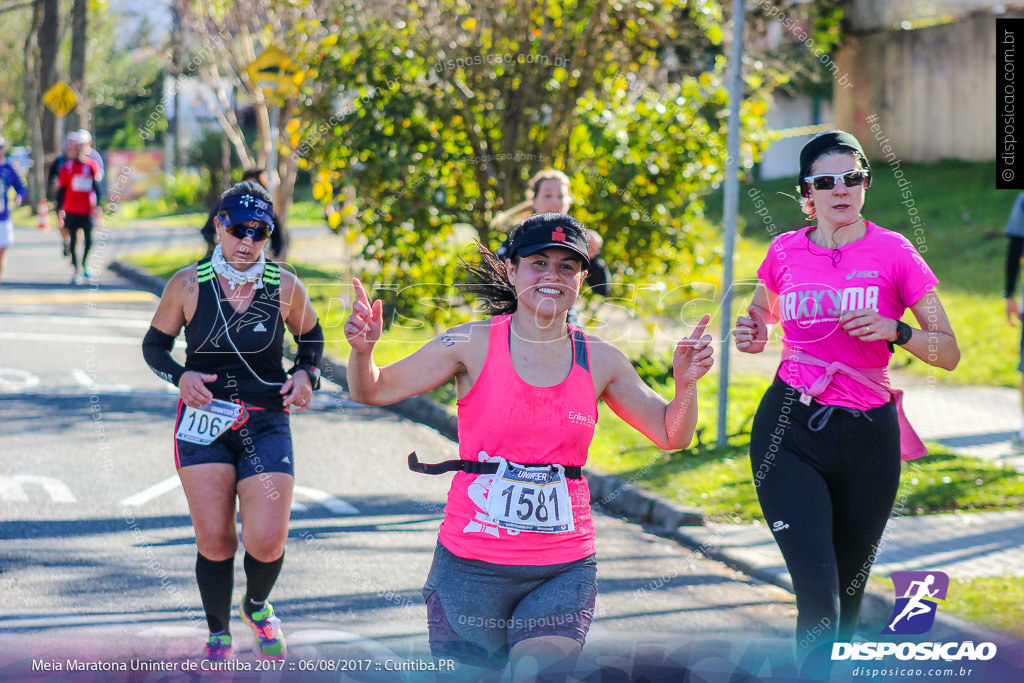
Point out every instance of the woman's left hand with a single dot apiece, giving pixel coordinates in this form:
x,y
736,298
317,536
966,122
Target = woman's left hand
x,y
298,391
867,325
693,356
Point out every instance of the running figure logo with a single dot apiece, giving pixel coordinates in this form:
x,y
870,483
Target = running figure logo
x,y
917,597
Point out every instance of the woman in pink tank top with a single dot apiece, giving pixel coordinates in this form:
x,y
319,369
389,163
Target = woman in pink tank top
x,y
514,576
826,441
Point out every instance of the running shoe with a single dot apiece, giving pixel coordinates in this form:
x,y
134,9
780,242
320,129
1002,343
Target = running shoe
x,y
218,648
67,249
87,273
267,628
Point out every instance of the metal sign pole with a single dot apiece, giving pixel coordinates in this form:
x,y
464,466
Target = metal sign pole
x,y
731,199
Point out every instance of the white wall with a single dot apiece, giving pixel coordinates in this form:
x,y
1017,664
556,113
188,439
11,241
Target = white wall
x,y
785,113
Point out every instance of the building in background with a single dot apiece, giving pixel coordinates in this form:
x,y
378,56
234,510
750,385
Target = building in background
x,y
925,72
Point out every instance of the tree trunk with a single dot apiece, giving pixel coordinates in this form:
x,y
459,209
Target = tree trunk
x,y
49,44
287,169
178,11
79,116
37,178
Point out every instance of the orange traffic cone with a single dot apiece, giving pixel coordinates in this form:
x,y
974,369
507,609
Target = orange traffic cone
x,y
44,215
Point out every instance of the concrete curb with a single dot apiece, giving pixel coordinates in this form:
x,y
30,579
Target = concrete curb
x,y
611,494
134,274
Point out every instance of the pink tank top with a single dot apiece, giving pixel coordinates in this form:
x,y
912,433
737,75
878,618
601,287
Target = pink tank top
x,y
882,270
504,416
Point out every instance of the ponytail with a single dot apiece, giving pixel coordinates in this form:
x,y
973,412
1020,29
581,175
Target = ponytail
x,y
488,280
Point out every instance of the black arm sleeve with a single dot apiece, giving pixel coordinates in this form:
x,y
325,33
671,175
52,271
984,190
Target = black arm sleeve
x,y
311,350
58,198
1013,253
156,349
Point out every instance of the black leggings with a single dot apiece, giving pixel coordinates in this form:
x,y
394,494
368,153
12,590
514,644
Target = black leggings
x,y
826,494
74,222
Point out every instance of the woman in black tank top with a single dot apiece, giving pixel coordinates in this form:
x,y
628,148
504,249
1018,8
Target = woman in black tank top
x,y
232,436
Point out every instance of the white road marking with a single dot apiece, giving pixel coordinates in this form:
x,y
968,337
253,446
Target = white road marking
x,y
154,491
322,636
318,497
166,632
15,379
83,379
332,503
70,338
86,320
34,622
12,489
27,311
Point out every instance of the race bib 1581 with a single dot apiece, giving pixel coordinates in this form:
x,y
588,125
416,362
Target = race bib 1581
x,y
530,498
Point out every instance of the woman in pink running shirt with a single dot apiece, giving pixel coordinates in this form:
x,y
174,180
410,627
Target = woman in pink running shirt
x,y
514,575
827,439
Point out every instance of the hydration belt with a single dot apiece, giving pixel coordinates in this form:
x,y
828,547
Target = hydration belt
x,y
472,467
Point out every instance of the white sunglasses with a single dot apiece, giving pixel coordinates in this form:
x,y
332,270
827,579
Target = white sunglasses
x,y
827,181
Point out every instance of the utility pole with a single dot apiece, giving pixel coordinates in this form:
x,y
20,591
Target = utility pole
x,y
731,199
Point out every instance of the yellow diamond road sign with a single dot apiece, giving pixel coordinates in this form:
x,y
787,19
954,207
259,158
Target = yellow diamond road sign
x,y
273,71
60,99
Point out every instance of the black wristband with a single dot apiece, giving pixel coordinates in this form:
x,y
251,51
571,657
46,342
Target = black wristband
x,y
311,350
312,370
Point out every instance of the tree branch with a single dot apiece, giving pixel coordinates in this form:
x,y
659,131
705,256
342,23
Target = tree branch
x,y
17,5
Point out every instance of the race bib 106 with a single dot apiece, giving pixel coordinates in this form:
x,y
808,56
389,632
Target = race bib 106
x,y
530,498
204,424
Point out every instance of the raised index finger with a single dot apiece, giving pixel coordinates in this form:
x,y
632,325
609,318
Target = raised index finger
x,y
360,292
699,331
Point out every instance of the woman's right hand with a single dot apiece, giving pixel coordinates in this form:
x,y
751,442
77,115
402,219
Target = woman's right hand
x,y
751,333
364,327
192,386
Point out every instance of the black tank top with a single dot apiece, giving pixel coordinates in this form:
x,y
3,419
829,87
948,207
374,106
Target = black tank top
x,y
257,333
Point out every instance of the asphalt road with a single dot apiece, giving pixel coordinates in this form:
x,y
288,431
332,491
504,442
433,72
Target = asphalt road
x,y
97,553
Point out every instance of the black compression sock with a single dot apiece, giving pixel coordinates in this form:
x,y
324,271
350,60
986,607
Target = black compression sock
x,y
260,578
216,579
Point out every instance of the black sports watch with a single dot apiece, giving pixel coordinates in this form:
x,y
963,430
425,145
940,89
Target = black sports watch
x,y
313,371
903,334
